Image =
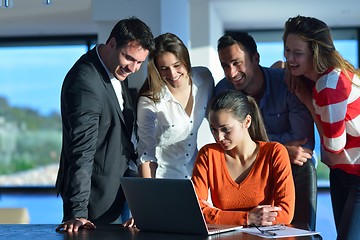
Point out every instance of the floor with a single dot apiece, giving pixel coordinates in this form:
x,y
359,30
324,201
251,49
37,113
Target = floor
x,y
324,216
48,209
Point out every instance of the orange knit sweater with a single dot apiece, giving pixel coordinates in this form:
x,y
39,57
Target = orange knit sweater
x,y
269,182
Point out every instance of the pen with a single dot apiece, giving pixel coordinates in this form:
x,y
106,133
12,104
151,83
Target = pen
x,y
266,232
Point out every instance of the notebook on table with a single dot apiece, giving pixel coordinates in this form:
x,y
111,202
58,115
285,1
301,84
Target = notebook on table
x,y
168,205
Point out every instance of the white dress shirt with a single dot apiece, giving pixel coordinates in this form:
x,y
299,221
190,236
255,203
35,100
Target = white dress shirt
x,y
119,95
167,135
114,82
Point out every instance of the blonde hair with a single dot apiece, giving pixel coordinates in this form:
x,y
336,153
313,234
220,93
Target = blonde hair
x,y
317,34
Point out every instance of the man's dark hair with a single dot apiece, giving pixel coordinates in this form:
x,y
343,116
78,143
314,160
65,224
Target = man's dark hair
x,y
132,30
242,38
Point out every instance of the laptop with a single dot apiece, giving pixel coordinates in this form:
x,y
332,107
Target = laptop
x,y
168,205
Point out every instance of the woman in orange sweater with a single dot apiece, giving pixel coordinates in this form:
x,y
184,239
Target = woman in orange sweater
x,y
249,178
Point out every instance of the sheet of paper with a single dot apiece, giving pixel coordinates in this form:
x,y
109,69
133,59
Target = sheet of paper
x,y
284,231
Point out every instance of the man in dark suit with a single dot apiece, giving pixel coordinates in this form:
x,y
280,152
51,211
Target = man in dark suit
x,y
98,120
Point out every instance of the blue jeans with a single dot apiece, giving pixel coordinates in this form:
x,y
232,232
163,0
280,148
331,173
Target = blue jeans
x,y
345,198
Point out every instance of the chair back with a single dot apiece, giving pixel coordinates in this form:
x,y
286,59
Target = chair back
x,y
305,181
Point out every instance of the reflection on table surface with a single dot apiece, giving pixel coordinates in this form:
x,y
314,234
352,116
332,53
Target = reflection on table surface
x,y
109,232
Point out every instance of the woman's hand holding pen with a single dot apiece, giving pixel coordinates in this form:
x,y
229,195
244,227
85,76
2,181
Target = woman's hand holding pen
x,y
263,215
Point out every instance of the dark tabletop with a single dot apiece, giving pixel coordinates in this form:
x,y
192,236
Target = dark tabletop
x,y
109,232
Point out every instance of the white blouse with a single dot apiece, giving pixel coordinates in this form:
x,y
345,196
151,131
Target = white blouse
x,y
167,135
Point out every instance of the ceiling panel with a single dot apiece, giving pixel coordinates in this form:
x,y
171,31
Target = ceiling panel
x,y
31,17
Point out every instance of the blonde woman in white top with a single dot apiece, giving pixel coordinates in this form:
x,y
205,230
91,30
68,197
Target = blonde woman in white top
x,y
171,107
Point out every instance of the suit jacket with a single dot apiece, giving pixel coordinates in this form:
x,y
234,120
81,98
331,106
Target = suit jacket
x,y
96,143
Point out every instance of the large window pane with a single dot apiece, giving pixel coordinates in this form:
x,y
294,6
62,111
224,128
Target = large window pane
x,y
30,124
271,52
